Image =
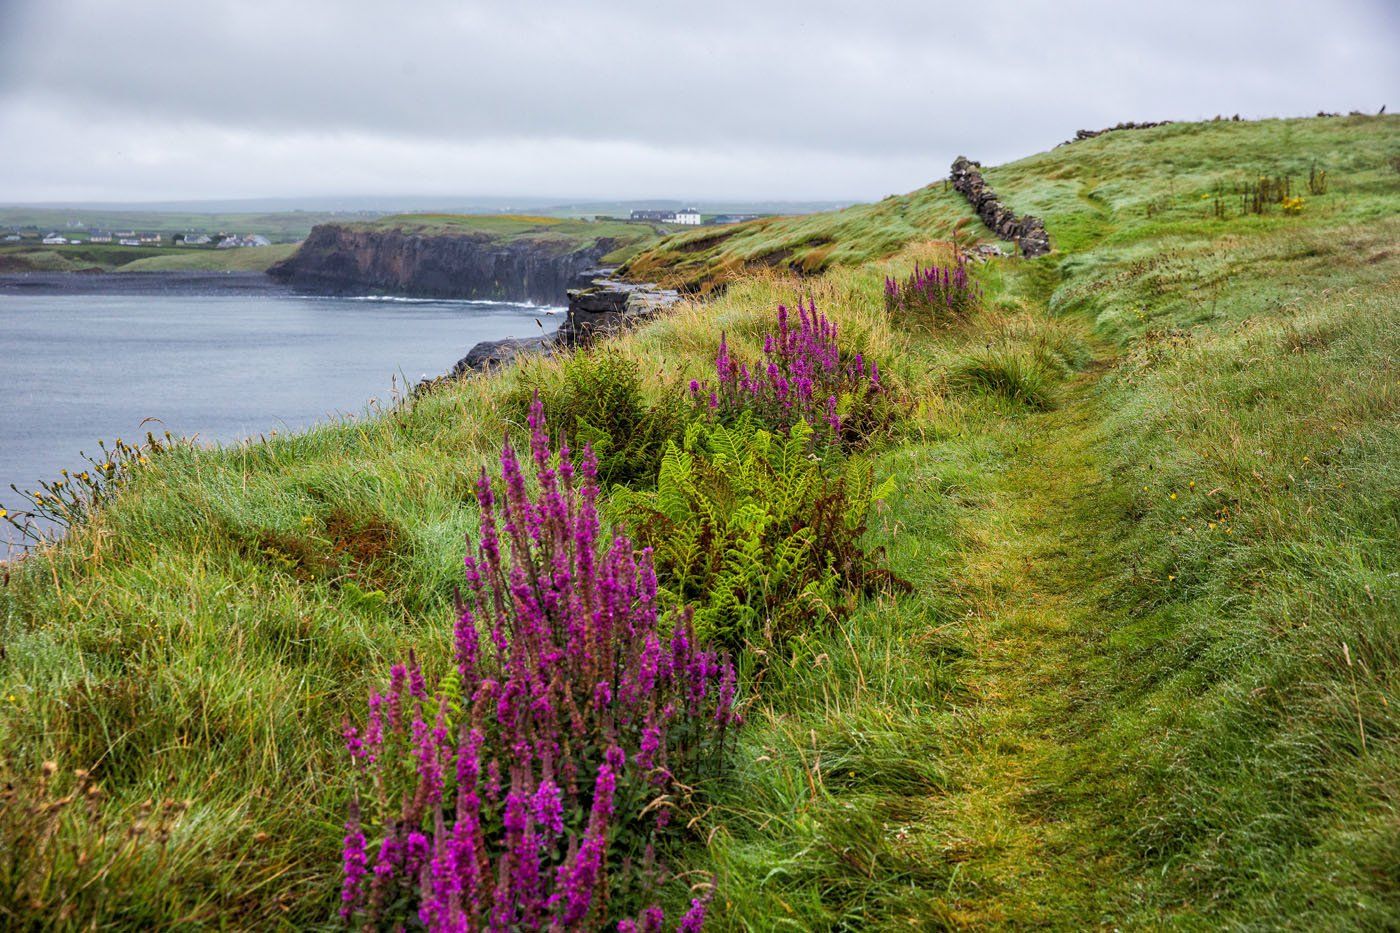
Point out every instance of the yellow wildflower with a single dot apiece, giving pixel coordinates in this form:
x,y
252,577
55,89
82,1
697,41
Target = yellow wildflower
x,y
1173,495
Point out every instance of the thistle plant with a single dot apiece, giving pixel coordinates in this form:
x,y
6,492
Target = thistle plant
x,y
528,787
947,292
802,377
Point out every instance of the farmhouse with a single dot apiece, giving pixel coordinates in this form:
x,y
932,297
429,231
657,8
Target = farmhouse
x,y
53,239
235,241
688,216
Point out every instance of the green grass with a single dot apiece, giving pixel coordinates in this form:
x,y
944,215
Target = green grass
x,y
243,259
703,259
278,226
109,258
629,238
1147,676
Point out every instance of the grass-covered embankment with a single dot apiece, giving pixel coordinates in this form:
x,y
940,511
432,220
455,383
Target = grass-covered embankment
x,y
627,237
1146,674
100,257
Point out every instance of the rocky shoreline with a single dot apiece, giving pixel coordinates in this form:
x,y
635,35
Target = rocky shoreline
x,y
606,305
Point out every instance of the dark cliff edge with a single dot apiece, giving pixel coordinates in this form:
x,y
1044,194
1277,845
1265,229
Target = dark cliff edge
x,y
338,259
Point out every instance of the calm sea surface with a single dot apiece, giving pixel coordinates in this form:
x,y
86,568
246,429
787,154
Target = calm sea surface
x,y
78,363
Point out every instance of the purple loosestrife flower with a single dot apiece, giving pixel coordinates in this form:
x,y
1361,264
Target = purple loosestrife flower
x,y
353,863
800,372
946,291
569,693
694,919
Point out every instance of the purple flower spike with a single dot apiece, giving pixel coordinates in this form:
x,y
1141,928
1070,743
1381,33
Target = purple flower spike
x,y
497,792
801,370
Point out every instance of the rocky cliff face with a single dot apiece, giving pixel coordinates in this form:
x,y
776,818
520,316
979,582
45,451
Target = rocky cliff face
x,y
337,259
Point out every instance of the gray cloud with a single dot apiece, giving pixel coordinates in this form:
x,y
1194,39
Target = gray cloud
x,y
749,99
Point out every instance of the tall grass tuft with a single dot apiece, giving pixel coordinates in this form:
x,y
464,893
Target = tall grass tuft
x,y
1018,374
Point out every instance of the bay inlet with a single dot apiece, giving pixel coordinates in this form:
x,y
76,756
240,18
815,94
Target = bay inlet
x,y
217,358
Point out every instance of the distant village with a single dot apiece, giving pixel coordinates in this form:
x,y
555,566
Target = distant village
x,y
76,233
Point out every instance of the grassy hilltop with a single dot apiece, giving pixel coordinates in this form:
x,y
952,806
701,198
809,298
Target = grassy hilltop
x,y
32,256
630,237
1145,498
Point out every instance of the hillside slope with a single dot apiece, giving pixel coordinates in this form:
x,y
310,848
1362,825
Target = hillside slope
x,y
1145,674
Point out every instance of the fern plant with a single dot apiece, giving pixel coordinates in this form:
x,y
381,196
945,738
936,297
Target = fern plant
x,y
753,531
600,402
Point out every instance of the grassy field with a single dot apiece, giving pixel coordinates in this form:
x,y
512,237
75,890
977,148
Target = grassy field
x,y
630,237
107,258
1146,674
278,226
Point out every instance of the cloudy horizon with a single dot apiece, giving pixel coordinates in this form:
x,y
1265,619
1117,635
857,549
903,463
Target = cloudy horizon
x,y
147,101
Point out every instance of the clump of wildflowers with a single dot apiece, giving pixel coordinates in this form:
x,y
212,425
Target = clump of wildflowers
x,y
526,789
801,377
947,292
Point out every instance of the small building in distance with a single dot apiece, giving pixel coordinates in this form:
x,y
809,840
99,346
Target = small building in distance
x,y
149,239
53,239
733,218
688,216
128,241
196,239
12,238
100,236
236,241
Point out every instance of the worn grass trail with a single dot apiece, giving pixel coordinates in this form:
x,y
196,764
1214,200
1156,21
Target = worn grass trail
x,y
1021,837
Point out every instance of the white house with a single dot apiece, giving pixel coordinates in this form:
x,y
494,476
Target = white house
x,y
690,217
149,238
196,239
129,241
235,241
12,238
53,239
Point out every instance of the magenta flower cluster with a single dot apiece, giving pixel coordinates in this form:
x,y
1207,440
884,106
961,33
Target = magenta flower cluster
x,y
944,290
802,376
528,786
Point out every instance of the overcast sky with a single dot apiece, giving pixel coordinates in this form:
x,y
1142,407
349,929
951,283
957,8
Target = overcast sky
x,y
132,100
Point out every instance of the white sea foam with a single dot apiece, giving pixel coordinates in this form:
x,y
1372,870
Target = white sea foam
x,y
483,302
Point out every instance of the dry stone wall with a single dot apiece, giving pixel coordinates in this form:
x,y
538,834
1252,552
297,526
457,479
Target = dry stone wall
x,y
1026,231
